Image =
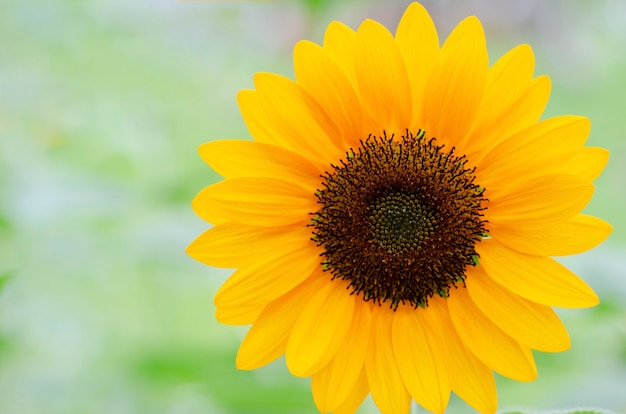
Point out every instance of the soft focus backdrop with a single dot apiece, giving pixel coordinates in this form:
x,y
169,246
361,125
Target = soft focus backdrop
x,y
102,106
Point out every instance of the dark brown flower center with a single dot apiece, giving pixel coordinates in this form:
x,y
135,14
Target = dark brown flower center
x,y
399,219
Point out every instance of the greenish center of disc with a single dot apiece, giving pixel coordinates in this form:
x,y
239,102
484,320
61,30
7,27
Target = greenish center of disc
x,y
400,221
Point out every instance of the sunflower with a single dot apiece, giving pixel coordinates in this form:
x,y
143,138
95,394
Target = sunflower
x,y
393,221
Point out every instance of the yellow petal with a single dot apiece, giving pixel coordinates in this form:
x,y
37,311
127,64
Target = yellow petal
x,y
507,81
256,120
420,357
381,75
356,396
537,278
233,159
232,245
521,114
255,201
530,106
470,378
267,278
537,202
534,325
238,316
334,383
267,339
576,235
339,45
321,328
300,123
330,87
197,205
386,383
588,163
488,342
533,151
418,43
454,94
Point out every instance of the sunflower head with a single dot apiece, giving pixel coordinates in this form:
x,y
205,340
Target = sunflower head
x,y
394,219
399,219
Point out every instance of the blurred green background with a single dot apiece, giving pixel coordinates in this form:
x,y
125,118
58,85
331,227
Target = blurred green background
x,y
102,106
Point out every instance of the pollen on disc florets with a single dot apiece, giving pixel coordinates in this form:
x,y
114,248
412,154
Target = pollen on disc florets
x,y
399,219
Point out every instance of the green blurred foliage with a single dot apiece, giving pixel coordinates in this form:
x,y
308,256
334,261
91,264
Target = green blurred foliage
x,y
102,107
586,411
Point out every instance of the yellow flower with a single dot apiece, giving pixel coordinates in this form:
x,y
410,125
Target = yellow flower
x,y
392,223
